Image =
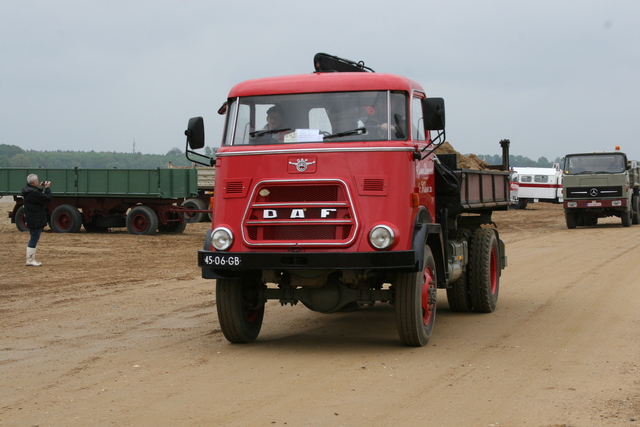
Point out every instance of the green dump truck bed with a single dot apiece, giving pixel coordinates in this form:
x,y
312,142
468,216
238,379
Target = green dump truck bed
x,y
130,183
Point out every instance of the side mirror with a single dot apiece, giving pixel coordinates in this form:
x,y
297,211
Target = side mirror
x,y
195,133
433,111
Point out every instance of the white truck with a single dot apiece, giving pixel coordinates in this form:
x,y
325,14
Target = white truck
x,y
537,185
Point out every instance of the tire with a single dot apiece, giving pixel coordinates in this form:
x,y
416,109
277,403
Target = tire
x,y
484,270
66,219
626,217
21,222
192,217
522,204
240,312
635,202
416,302
142,220
570,217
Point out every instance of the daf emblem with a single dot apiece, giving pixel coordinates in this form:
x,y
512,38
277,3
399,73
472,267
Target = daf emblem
x,y
302,164
593,192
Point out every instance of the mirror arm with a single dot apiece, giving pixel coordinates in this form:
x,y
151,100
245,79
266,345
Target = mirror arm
x,y
210,161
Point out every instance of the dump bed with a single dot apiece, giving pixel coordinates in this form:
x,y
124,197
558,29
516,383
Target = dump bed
x,y
130,183
469,190
484,189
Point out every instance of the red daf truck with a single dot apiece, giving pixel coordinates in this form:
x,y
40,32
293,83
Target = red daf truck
x,y
340,202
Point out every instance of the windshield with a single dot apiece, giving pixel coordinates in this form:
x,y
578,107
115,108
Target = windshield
x,y
317,117
595,163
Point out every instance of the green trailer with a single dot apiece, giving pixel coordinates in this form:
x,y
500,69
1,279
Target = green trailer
x,y
143,200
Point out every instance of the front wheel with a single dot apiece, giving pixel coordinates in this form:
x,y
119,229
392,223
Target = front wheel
x,y
626,217
484,270
570,217
240,310
415,301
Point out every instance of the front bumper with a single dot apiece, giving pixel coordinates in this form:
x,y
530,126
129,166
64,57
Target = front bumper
x,y
225,264
595,204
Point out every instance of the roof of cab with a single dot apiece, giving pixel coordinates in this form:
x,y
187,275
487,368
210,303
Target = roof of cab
x,y
323,82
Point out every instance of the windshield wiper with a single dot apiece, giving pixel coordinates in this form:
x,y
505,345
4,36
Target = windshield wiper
x,y
358,131
266,132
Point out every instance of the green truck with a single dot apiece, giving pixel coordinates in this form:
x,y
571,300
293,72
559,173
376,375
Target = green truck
x,y
143,200
598,185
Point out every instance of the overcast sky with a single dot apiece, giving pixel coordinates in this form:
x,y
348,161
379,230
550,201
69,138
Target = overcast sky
x,y
552,76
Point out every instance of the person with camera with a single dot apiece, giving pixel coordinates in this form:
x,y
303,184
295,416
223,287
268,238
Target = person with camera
x,y
35,196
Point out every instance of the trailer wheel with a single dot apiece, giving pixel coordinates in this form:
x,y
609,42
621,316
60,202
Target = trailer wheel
x,y
142,220
192,217
635,202
240,311
626,217
415,301
570,218
484,270
66,219
21,222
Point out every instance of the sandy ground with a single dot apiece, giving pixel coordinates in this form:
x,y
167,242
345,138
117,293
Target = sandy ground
x,y
120,330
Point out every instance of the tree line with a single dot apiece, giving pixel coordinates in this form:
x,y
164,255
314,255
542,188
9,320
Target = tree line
x,y
14,156
520,161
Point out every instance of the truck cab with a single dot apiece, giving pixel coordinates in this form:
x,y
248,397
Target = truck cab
x,y
599,185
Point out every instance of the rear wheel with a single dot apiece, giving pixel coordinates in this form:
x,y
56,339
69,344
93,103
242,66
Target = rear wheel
x,y
570,217
415,301
484,270
66,219
240,311
21,222
142,220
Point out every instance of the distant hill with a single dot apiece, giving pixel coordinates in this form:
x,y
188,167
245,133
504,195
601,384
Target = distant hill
x,y
14,156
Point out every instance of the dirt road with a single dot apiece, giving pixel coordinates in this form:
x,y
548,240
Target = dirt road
x,y
121,330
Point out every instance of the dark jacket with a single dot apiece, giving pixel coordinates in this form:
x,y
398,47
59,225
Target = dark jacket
x,y
34,199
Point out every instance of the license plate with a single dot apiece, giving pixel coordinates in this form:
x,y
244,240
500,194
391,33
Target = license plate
x,y
222,260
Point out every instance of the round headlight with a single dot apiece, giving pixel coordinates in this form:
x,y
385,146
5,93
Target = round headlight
x,y
381,237
222,238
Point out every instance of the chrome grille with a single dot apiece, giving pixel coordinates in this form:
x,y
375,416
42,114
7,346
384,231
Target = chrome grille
x,y
290,213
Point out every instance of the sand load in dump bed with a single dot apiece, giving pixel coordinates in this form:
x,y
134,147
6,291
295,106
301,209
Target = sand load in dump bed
x,y
464,162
